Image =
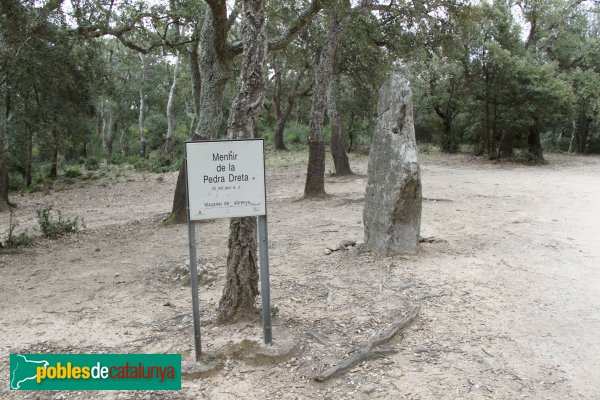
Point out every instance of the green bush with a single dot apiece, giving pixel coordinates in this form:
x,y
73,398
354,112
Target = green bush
x,y
53,225
16,181
157,162
22,239
295,133
72,172
92,164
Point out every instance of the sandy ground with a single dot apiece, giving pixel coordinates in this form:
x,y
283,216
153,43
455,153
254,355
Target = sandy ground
x,y
510,287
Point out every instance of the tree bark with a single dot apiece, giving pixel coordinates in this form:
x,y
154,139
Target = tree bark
x,y
142,117
109,131
534,145
241,286
4,179
338,152
315,174
284,116
214,71
280,123
171,108
196,80
506,144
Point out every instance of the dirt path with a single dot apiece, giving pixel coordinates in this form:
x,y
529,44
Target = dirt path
x,y
510,288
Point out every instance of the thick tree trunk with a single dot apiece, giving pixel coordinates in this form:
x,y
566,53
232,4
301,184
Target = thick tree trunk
x,y
315,175
241,286
142,116
171,109
338,152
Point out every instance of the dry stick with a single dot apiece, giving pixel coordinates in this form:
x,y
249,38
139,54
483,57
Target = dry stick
x,y
367,350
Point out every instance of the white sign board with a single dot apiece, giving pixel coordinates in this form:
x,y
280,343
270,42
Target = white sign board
x,y
226,179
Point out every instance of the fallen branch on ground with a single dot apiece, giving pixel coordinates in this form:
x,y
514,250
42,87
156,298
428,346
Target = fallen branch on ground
x,y
368,349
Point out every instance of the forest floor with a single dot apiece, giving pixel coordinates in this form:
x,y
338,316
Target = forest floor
x,y
509,287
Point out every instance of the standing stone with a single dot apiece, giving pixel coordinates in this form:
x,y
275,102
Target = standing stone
x,y
392,213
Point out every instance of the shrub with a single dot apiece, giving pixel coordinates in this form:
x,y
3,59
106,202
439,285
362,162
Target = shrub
x,y
157,162
53,225
91,164
295,133
72,172
22,239
17,182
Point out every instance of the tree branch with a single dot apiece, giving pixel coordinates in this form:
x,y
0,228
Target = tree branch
x,y
368,350
285,38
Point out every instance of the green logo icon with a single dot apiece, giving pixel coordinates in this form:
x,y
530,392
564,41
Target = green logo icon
x,y
95,372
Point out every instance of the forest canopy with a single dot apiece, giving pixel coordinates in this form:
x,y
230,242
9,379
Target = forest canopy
x,y
84,81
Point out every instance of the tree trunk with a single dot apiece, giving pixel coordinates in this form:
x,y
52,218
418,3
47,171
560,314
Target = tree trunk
x,y
142,117
123,140
241,286
109,133
338,152
179,210
54,164
196,80
534,145
315,174
171,108
506,144
351,131
283,117
280,124
29,160
214,71
4,180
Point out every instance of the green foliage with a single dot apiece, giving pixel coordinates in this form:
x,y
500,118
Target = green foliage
x,y
92,164
296,134
53,225
157,162
17,182
73,172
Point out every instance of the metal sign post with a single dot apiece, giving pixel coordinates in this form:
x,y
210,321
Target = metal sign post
x,y
226,179
265,291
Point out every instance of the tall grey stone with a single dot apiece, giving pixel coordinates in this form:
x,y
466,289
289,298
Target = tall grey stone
x,y
392,213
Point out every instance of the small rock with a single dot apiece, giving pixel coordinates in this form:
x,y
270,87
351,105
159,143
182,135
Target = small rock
x,y
353,251
368,389
97,249
346,243
168,304
327,252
